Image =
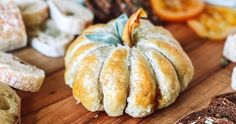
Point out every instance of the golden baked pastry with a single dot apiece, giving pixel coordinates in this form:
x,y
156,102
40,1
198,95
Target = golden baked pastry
x,y
127,65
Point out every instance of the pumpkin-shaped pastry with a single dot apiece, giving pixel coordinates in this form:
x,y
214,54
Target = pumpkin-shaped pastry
x,y
127,65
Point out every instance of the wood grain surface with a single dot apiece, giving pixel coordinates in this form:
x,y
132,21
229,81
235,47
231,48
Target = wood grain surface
x,y
54,103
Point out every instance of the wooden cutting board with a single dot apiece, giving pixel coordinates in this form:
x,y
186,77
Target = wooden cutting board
x,y
54,103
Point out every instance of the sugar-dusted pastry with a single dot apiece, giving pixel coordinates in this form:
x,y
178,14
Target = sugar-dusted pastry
x,y
12,28
127,65
69,16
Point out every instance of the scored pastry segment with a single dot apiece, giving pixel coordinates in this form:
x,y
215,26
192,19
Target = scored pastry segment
x,y
114,80
176,56
146,30
80,41
86,87
142,91
83,51
166,78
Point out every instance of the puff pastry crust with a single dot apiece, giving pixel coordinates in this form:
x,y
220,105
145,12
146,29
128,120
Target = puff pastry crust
x,y
145,73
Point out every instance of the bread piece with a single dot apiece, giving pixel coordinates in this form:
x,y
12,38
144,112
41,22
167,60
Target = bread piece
x,y
233,79
51,42
86,86
166,78
225,104
18,74
221,107
204,115
115,81
12,33
9,105
34,12
69,16
142,91
230,48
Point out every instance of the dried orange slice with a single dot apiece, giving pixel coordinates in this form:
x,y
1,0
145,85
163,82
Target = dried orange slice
x,y
177,10
215,22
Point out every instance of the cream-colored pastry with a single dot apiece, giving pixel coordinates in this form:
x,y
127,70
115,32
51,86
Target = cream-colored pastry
x,y
12,28
145,68
115,81
166,78
142,98
19,74
9,105
230,48
81,52
69,16
86,86
175,55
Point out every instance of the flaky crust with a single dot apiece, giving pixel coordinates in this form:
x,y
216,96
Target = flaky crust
x,y
177,57
86,87
142,96
145,73
115,80
166,78
77,56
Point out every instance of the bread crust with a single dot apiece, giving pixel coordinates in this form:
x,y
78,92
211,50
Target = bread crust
x,y
10,104
115,81
13,77
12,33
34,12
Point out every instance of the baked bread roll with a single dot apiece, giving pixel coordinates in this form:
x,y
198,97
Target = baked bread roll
x,y
19,74
69,16
34,12
142,68
12,28
9,105
51,41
